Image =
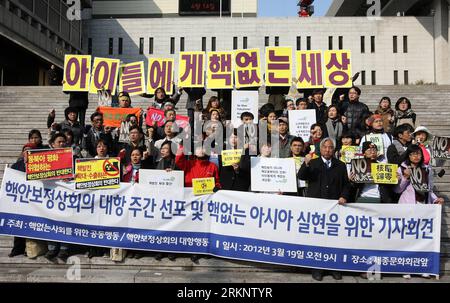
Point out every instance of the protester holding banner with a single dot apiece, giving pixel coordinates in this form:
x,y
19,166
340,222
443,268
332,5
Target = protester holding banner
x,y
102,149
404,113
214,104
161,97
383,139
313,145
327,179
236,176
384,109
35,137
136,140
298,154
353,111
70,122
79,101
96,132
170,135
198,166
422,137
319,106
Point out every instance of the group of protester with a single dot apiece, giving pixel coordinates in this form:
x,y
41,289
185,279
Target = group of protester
x,y
321,174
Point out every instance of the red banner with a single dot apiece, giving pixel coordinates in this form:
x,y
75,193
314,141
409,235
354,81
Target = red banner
x,y
49,164
158,116
113,116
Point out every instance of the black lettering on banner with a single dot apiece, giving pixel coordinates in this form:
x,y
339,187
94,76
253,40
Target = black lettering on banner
x,y
441,148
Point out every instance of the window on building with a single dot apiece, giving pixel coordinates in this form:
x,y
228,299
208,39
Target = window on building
x,y
277,41
244,43
341,42
111,45
235,42
405,44
213,44
308,43
203,44
363,44
363,77
406,77
181,44
150,45
172,45
396,77
89,46
372,44
374,77
299,43
120,46
266,41
141,46
394,46
330,42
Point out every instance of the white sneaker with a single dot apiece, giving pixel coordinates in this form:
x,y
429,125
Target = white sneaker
x,y
407,277
426,276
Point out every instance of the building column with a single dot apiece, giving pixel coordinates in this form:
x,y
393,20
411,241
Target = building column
x,y
441,41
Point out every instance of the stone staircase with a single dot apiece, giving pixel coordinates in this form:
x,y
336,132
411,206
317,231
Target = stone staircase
x,y
24,108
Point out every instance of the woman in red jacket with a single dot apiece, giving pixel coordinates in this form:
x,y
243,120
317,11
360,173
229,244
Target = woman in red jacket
x,y
197,166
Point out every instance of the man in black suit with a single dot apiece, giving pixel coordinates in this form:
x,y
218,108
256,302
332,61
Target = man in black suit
x,y
327,179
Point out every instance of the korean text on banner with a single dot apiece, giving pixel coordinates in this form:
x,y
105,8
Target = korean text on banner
x,y
160,74
49,164
97,173
77,73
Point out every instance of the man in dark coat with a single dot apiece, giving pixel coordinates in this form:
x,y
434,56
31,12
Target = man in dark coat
x,y
327,179
52,76
354,112
80,101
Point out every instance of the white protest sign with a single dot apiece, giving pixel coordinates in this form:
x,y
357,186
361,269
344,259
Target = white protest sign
x,y
273,175
300,122
161,180
243,101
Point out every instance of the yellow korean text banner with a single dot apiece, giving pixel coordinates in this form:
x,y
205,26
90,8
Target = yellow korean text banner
x,y
132,78
97,173
309,69
105,73
247,68
383,173
203,186
278,66
160,74
219,70
77,73
230,157
190,69
338,68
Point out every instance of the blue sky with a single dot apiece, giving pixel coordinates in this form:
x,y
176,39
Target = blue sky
x,y
284,8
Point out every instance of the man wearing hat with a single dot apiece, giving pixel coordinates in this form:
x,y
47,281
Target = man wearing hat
x,y
319,106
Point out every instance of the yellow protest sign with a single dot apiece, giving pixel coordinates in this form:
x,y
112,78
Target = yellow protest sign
x,y
278,66
383,173
160,74
77,73
247,69
219,71
97,173
105,73
203,186
132,78
230,157
190,69
309,69
338,68
349,152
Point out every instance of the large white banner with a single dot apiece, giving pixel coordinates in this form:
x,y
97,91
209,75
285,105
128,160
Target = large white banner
x,y
300,122
266,228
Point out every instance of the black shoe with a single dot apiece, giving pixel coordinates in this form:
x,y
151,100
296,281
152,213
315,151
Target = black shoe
x,y
317,275
441,173
15,252
172,257
138,256
51,255
130,254
159,256
336,275
63,255
195,258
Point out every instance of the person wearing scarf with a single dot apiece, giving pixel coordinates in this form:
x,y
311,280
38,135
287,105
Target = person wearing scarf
x,y
404,113
334,128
